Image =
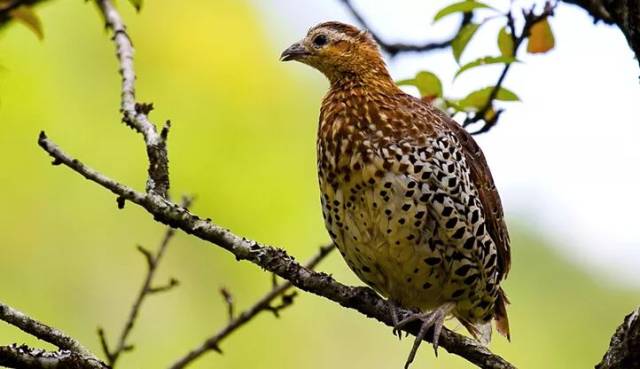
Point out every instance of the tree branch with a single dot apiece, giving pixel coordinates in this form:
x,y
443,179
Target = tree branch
x,y
40,330
135,115
272,259
624,13
23,356
530,19
624,349
152,260
394,49
263,304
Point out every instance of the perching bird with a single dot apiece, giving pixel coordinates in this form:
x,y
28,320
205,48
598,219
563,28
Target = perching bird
x,y
406,193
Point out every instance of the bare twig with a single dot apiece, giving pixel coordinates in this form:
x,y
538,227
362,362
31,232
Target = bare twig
x,y
152,260
14,356
396,48
624,349
530,20
271,259
136,115
263,304
228,300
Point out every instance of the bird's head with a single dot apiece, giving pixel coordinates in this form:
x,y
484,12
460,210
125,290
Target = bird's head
x,y
338,50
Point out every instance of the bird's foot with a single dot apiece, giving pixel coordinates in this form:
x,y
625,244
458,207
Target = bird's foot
x,y
431,319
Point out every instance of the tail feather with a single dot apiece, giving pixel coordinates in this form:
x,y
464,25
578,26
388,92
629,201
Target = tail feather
x,y
500,314
479,331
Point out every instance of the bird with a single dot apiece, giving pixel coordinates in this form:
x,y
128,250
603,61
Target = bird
x,y
406,193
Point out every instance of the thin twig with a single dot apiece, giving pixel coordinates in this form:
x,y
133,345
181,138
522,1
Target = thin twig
x,y
228,300
273,260
394,49
263,304
153,261
530,20
136,115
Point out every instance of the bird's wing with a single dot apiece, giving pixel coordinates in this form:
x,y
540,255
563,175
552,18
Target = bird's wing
x,y
481,176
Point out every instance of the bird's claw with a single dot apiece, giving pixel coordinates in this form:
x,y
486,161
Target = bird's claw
x,y
431,319
394,318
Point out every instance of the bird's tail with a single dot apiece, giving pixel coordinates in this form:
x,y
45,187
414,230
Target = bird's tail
x,y
500,314
482,331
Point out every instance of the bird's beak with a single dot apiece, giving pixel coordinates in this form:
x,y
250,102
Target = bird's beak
x,y
296,51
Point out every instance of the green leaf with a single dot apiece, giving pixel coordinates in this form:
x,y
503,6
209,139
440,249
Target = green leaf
x,y
26,15
460,7
427,83
505,42
136,4
485,61
460,42
476,100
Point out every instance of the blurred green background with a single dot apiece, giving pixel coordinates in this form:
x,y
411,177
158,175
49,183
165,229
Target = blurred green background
x,y
243,141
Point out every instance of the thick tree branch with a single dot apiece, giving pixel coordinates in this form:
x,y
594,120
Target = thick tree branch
x,y
623,13
135,115
624,349
263,304
396,48
272,259
152,261
24,357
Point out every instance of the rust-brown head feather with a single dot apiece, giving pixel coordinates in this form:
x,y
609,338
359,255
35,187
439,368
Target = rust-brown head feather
x,y
338,49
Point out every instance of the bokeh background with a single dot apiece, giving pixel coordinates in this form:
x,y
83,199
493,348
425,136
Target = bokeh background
x,y
565,160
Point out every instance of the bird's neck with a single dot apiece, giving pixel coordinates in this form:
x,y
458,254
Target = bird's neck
x,y
372,77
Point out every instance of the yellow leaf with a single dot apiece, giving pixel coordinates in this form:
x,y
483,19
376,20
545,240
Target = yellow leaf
x,y
25,15
541,38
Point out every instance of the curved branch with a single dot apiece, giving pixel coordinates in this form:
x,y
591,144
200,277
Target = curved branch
x,y
397,48
624,14
361,299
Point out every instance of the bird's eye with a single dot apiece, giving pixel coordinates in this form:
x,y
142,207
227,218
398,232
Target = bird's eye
x,y
320,40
